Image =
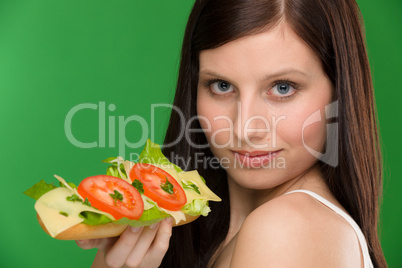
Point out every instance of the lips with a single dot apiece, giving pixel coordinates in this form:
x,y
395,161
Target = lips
x,y
254,159
254,153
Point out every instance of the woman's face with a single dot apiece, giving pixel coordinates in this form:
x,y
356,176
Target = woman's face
x,y
255,97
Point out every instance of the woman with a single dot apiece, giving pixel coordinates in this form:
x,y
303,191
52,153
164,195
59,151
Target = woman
x,y
263,76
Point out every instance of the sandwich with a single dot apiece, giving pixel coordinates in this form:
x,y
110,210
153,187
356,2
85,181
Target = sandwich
x,y
129,194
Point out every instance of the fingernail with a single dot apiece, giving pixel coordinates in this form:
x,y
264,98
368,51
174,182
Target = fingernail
x,y
153,226
169,220
82,242
136,229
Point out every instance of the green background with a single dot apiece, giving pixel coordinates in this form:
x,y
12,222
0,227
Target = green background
x,y
55,55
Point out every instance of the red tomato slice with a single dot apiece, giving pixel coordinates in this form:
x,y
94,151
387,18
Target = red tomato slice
x,y
154,180
100,190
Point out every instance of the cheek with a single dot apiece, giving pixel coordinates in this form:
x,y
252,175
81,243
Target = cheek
x,y
305,129
205,115
313,135
215,121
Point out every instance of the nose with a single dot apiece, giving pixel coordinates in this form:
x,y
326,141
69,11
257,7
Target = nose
x,y
251,124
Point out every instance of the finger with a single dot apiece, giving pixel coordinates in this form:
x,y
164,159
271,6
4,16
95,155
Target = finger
x,y
87,243
103,243
160,245
118,254
141,248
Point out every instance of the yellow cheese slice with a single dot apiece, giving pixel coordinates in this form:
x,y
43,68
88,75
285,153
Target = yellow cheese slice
x,y
178,216
148,203
205,192
195,178
49,206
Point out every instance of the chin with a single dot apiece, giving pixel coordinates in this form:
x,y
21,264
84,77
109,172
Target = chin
x,y
256,178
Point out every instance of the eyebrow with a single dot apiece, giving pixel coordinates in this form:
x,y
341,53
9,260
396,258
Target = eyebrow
x,y
267,77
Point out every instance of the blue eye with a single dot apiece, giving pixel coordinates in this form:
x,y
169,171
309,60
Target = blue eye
x,y
221,87
282,89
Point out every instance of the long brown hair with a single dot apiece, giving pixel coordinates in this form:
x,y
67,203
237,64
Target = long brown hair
x,y
333,30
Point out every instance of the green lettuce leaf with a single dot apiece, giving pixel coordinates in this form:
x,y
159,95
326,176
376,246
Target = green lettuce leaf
x,y
92,218
152,154
39,189
113,170
109,161
72,185
197,207
148,217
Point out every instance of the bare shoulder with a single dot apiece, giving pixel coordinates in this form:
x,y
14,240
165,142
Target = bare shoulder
x,y
295,231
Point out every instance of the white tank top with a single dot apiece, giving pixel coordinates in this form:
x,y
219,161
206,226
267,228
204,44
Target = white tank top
x,y
363,244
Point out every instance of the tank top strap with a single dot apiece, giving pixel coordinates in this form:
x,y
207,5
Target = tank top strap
x,y
356,228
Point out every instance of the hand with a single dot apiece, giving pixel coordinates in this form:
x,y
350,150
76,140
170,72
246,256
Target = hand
x,y
136,247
